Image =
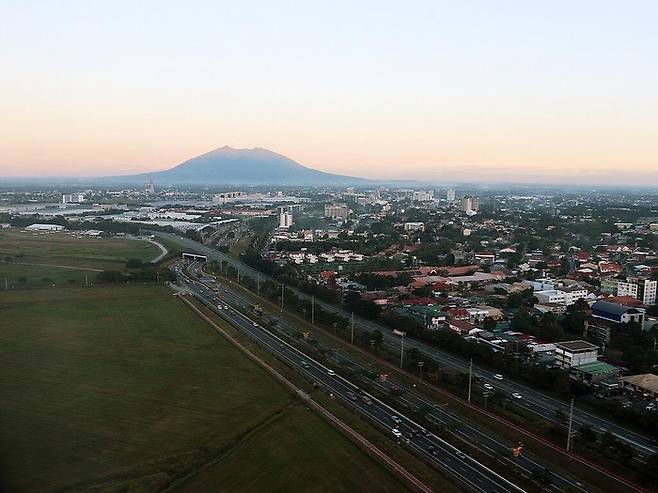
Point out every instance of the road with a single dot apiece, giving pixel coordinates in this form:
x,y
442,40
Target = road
x,y
490,445
533,400
463,468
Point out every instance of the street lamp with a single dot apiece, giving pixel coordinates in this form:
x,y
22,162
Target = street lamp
x,y
420,368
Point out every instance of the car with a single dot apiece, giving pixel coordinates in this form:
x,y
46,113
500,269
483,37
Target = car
x,y
255,324
219,307
498,376
304,364
650,407
396,433
431,448
516,395
331,373
351,395
460,454
225,307
396,420
366,400
488,386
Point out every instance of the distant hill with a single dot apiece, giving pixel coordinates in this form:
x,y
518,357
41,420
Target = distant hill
x,y
241,167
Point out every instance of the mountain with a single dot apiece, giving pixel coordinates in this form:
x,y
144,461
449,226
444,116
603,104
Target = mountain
x,y
241,167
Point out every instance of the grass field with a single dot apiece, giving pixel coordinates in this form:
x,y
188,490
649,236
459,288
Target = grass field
x,y
125,389
43,259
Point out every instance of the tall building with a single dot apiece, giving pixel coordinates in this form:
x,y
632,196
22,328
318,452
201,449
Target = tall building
x,y
450,195
422,195
149,188
470,205
336,211
642,289
285,218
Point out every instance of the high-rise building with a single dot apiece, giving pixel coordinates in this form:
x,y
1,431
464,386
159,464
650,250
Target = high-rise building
x,y
149,188
73,198
336,211
422,195
285,218
450,195
642,289
470,205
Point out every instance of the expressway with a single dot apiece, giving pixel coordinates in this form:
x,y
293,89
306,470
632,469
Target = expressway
x,y
534,401
467,471
462,430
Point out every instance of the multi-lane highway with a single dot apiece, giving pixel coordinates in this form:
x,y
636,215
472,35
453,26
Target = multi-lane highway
x,y
491,445
436,451
534,401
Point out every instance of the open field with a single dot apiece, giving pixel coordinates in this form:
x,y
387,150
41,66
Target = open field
x,y
124,388
43,259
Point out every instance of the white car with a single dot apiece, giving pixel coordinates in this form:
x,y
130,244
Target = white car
x,y
488,386
331,372
516,395
396,433
498,376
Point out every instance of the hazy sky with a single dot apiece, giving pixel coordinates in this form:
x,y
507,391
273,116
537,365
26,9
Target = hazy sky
x,y
529,90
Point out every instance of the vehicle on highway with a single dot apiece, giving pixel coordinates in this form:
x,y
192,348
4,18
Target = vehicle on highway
x,y
225,307
366,400
488,386
331,373
396,433
396,420
304,364
219,307
351,395
498,376
460,454
399,333
516,395
255,324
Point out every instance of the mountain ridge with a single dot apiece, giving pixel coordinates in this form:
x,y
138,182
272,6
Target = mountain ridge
x,y
241,166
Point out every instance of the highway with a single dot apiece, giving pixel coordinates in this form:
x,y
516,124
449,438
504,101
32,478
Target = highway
x,y
492,446
533,400
467,471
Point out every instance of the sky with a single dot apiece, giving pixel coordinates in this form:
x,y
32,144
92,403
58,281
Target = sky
x,y
481,91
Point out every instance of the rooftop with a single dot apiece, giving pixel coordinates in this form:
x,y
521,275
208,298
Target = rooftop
x,y
577,345
596,368
646,381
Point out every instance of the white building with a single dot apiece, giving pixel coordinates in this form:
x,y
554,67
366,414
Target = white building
x,y
45,227
285,219
575,353
470,205
336,211
450,195
414,226
422,195
73,198
641,289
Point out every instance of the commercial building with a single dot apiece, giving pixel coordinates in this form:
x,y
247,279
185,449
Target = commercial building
x,y
45,227
575,353
594,372
617,313
422,195
450,195
73,198
414,226
337,211
646,383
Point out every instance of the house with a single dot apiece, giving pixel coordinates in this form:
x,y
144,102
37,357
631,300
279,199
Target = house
x,y
461,327
575,353
485,258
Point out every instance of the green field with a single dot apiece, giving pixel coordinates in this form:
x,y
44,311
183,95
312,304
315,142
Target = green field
x,y
125,389
29,259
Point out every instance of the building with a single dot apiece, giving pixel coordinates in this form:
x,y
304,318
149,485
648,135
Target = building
x,y
617,313
595,372
550,296
575,353
470,205
285,219
149,188
336,211
422,195
45,227
450,195
646,383
226,198
73,198
414,226
642,289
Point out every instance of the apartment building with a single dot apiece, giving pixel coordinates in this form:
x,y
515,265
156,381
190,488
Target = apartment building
x,y
575,353
639,288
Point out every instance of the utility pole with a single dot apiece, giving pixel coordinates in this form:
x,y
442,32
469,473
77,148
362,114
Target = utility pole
x,y
352,336
6,284
258,283
86,280
282,290
570,426
402,352
420,369
312,310
470,378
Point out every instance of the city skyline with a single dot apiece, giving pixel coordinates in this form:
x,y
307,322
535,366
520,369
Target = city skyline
x,y
432,91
